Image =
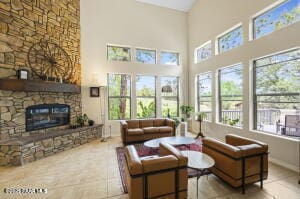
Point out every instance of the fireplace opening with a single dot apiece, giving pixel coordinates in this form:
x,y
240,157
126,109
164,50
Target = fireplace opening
x,y
44,116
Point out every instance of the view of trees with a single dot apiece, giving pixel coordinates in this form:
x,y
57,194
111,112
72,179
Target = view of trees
x,y
115,53
231,40
277,18
146,56
169,58
170,104
203,53
205,94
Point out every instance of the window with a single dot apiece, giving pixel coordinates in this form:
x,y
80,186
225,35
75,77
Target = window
x,y
230,95
204,96
169,58
281,16
146,96
116,53
145,56
203,52
119,94
169,95
230,40
277,93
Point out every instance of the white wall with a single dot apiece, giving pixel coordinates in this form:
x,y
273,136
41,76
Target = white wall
x,y
209,18
128,22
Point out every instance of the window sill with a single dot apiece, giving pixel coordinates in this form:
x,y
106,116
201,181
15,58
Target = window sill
x,y
235,127
295,139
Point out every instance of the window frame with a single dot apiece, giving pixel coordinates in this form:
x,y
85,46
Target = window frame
x,y
119,97
198,96
170,97
119,46
217,46
254,95
170,51
196,61
144,49
220,96
147,97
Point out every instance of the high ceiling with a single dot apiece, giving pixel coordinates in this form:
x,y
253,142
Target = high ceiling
x,y
181,5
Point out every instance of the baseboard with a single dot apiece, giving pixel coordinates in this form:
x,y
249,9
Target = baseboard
x,y
284,164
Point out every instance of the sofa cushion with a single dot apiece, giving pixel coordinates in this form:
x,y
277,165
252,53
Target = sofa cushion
x,y
133,124
135,131
149,130
146,123
159,122
165,129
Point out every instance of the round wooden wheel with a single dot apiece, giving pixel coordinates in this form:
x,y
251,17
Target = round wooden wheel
x,y
48,60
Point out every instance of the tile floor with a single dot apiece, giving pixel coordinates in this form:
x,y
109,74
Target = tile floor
x,y
91,171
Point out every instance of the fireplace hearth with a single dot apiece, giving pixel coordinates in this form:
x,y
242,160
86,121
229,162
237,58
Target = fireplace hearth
x,y
44,116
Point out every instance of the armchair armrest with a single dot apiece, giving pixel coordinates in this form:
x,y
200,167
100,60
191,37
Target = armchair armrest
x,y
123,129
236,140
251,149
133,161
123,124
159,163
229,150
171,123
167,149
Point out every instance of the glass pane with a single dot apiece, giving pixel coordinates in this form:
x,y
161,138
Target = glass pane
x,y
119,85
231,95
203,52
231,40
145,86
169,105
277,18
169,58
145,107
205,94
169,86
146,56
278,94
115,53
119,108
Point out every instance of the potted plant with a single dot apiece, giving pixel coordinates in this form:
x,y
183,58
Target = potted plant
x,y
186,110
82,119
91,122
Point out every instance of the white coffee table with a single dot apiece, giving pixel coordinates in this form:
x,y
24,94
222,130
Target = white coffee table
x,y
175,141
200,162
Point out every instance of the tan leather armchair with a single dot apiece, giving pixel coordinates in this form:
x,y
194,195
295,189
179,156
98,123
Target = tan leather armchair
x,y
239,161
163,176
146,129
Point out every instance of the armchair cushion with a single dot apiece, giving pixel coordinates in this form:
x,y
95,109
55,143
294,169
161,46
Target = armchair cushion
x,y
133,124
149,130
146,123
165,129
136,131
159,122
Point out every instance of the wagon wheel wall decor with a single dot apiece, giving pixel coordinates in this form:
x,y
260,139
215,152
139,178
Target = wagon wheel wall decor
x,y
48,60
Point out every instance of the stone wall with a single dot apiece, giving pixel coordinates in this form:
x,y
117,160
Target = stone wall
x,y
14,104
25,22
17,153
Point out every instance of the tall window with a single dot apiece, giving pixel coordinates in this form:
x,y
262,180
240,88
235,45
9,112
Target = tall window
x,y
282,15
119,95
146,96
145,56
170,97
169,58
116,53
277,93
230,95
204,96
230,40
203,52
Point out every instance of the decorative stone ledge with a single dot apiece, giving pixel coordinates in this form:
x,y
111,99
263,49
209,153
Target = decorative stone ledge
x,y
22,150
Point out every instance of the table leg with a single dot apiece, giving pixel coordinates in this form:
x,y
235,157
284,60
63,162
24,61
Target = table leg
x,y
198,177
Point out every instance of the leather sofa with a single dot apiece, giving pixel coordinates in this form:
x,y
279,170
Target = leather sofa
x,y
163,176
146,129
239,161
